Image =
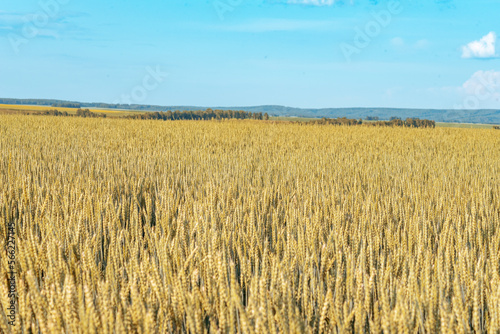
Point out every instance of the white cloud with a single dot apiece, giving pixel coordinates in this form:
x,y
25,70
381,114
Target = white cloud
x,y
482,90
483,81
484,48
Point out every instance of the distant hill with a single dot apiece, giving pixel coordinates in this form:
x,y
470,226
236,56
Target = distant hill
x,y
485,116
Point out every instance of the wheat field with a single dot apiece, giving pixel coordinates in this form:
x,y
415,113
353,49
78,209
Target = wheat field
x,y
129,226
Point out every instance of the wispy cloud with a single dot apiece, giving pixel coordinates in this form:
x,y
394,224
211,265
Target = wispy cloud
x,y
483,82
443,4
400,44
421,44
397,42
314,2
480,91
483,48
273,25
9,20
20,28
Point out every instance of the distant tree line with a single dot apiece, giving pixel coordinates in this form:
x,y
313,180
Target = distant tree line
x,y
496,127
53,112
79,113
33,102
209,114
409,123
66,105
337,121
88,113
200,115
395,122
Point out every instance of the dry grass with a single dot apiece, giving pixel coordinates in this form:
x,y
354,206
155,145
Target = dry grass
x,y
130,226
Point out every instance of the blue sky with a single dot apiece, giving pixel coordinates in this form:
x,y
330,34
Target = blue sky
x,y
301,53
